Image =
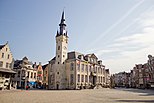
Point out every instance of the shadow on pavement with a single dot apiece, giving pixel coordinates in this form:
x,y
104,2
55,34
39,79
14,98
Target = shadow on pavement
x,y
145,92
140,101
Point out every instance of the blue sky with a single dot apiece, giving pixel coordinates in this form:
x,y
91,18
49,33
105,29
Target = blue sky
x,y
120,32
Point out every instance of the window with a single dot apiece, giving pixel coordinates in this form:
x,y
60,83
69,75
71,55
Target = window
x,y
28,74
44,78
101,79
2,55
89,78
86,78
78,77
10,66
71,78
58,62
18,73
82,67
58,56
8,56
58,47
78,66
86,68
1,64
39,78
34,75
94,69
23,71
82,78
63,55
90,68
31,74
72,65
7,65
98,70
6,49
91,60
57,72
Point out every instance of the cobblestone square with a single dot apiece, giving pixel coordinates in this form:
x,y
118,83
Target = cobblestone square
x,y
104,95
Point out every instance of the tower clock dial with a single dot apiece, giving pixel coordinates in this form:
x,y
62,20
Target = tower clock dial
x,y
65,47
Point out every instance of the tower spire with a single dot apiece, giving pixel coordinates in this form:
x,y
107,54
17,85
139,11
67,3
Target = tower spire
x,y
62,19
62,26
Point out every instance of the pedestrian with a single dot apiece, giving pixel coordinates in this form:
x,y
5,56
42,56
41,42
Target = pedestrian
x,y
27,87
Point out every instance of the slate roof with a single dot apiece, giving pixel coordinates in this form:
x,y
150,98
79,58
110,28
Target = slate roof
x,y
1,46
92,55
44,66
54,58
74,55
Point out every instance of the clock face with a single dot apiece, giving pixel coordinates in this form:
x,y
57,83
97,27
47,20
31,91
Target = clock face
x,y
65,47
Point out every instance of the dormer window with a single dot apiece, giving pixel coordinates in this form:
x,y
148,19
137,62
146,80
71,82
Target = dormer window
x,y
91,60
81,57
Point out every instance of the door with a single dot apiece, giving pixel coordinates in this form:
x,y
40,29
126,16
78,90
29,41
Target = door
x,y
57,86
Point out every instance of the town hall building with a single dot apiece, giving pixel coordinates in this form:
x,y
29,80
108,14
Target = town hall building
x,y
74,70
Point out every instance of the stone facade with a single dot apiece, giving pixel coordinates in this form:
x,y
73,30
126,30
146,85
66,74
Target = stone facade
x,y
74,70
6,66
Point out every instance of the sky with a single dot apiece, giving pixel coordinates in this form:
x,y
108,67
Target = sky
x,y
119,32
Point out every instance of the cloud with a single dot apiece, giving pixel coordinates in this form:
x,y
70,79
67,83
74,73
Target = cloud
x,y
143,40
118,22
132,49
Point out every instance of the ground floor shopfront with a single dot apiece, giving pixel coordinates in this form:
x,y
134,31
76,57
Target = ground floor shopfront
x,y
6,82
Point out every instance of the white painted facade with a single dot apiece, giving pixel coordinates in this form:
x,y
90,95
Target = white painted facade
x,y
6,66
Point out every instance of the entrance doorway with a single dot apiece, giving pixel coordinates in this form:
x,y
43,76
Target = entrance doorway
x,y
57,86
94,80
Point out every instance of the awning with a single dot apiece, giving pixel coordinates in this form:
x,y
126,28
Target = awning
x,y
5,70
32,83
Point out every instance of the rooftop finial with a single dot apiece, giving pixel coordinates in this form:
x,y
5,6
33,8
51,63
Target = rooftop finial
x,y
64,9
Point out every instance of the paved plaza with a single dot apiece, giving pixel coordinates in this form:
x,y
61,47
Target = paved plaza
x,y
104,95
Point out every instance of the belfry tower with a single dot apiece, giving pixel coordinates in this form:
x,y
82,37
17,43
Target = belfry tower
x,y
61,54
61,42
